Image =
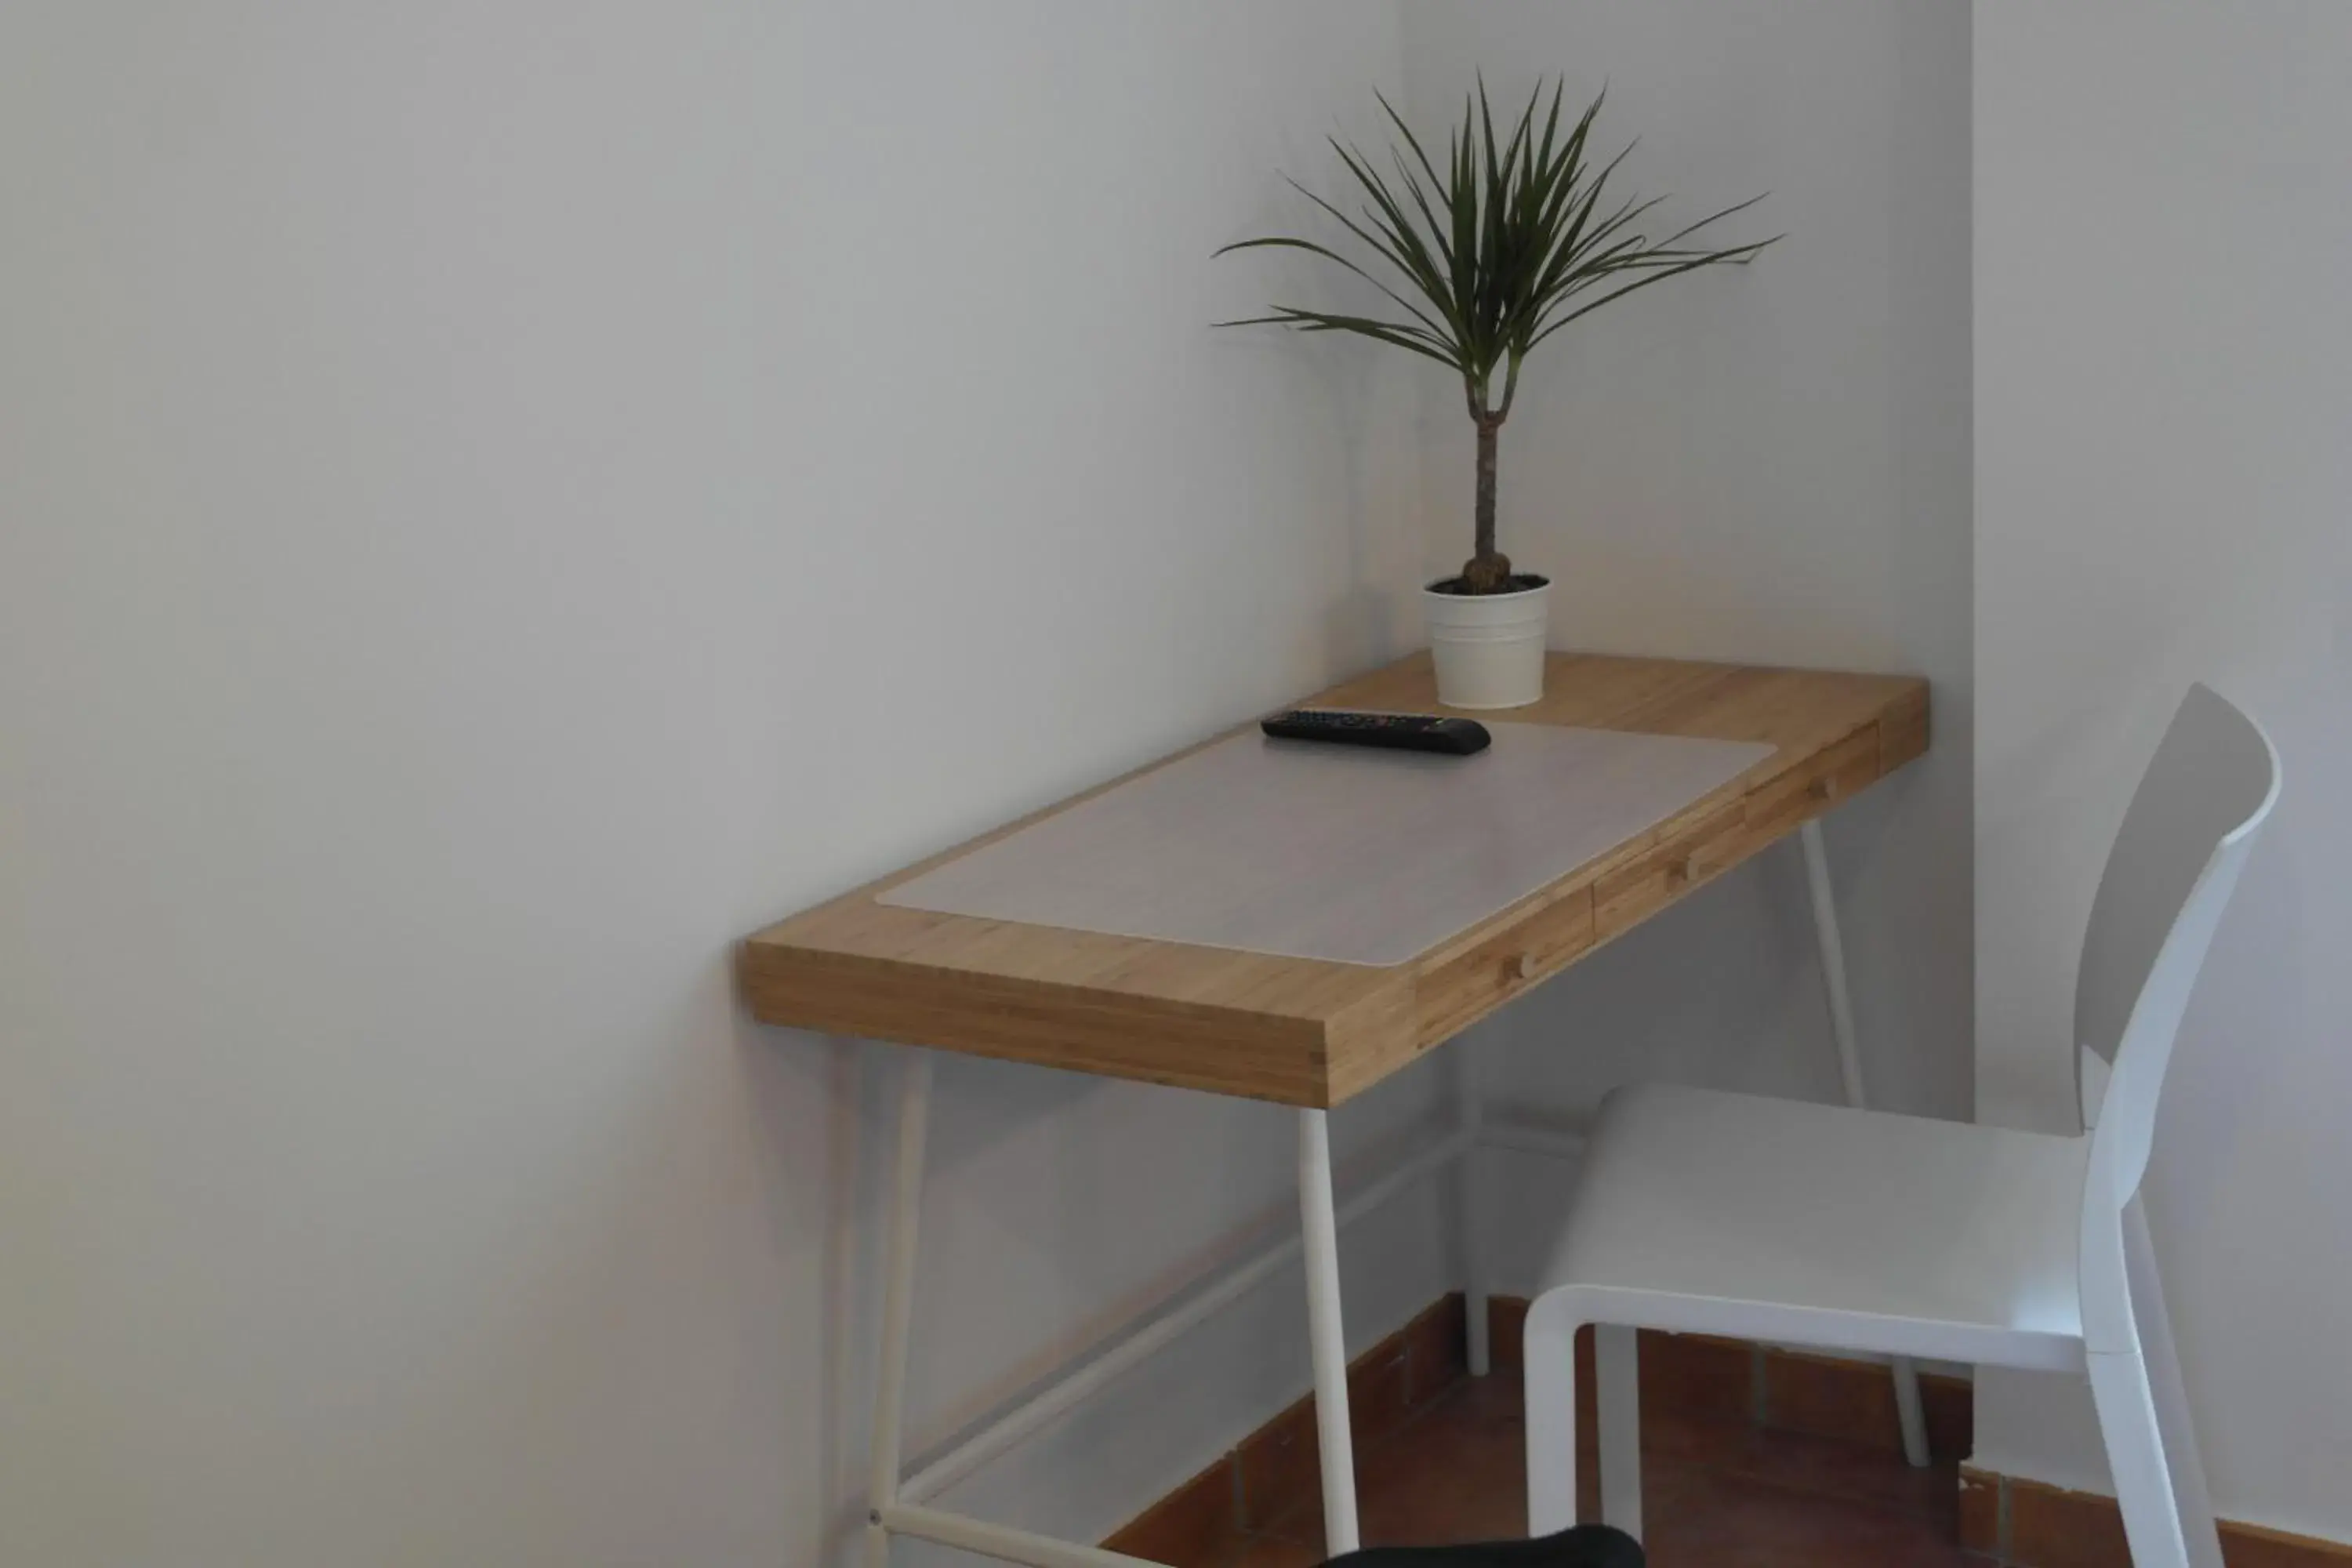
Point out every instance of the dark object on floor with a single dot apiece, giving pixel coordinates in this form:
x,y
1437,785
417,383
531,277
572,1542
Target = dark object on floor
x,y
1586,1546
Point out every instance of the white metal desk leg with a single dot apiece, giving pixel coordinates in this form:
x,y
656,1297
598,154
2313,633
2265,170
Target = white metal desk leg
x,y
1908,1411
1319,1229
1470,1191
898,1301
1825,927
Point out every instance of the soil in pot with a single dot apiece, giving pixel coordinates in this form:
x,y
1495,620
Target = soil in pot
x,y
1517,583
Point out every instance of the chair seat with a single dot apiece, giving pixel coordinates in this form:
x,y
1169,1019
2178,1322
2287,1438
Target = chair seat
x,y
1704,1212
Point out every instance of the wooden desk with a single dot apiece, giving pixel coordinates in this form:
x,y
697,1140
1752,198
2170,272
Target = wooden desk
x,y
1303,1032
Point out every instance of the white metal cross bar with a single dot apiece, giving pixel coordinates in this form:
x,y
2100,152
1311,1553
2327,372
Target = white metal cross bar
x,y
1001,1542
1108,1362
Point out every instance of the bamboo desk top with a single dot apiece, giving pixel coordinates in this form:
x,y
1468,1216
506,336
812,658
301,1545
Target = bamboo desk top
x,y
1309,1031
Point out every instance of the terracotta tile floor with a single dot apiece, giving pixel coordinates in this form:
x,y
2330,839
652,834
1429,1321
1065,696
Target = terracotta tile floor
x,y
1716,1494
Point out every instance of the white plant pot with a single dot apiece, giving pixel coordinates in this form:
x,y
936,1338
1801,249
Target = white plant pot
x,y
1489,648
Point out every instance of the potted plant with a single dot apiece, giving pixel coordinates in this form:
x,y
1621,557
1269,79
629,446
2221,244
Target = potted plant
x,y
1492,253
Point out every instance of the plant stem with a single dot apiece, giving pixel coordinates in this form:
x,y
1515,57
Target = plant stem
x,y
1488,570
1482,547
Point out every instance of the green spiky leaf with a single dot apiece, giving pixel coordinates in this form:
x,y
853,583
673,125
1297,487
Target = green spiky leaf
x,y
1498,248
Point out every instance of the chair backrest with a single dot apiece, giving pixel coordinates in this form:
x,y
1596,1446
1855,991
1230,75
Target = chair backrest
x,y
2175,860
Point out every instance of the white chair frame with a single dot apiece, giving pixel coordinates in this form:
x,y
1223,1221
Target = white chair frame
x,y
2100,1312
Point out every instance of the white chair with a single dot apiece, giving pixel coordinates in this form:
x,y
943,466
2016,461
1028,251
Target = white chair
x,y
1722,1214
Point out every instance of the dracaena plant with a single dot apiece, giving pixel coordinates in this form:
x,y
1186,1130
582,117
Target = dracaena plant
x,y
1511,241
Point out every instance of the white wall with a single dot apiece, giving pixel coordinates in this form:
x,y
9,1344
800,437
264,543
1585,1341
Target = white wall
x,y
1761,465
2164,381
496,503
447,450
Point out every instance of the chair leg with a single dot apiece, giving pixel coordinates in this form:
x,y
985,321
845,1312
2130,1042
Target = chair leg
x,y
2128,1423
2183,1463
1617,1378
1551,1362
1909,1412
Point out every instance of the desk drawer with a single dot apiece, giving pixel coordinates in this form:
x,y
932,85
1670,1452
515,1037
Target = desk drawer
x,y
1813,787
1460,990
1709,848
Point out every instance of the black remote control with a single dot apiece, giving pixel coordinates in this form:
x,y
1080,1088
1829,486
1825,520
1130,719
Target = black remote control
x,y
1395,732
